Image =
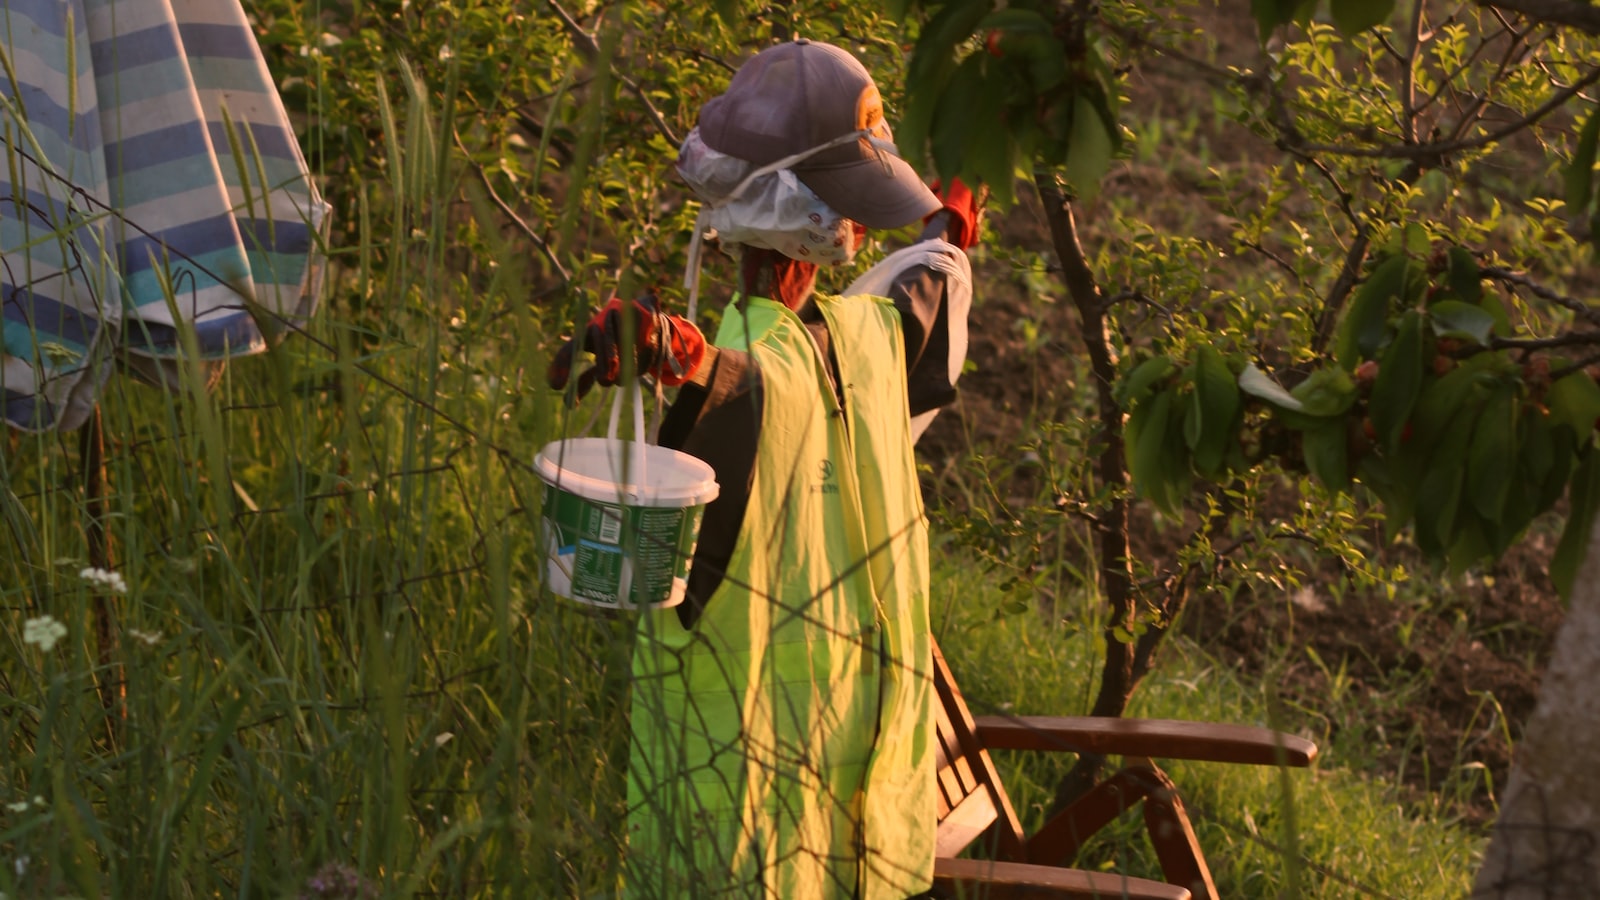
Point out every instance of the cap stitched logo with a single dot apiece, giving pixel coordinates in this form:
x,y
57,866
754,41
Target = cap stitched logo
x,y
869,110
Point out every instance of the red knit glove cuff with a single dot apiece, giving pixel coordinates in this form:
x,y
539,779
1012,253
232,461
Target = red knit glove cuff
x,y
685,350
963,208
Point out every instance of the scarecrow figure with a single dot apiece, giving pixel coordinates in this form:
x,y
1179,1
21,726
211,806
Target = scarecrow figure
x,y
782,715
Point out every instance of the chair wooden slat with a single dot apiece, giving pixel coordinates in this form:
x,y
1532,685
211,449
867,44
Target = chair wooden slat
x,y
1164,738
972,879
972,817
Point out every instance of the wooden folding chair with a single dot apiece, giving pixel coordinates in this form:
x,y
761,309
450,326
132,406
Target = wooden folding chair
x,y
973,804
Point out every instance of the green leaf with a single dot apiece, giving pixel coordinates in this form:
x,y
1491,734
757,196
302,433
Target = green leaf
x,y
1466,280
1352,17
1217,404
1366,321
1563,453
1580,171
1257,383
1491,460
1269,14
1583,499
1442,400
1537,445
1327,455
1574,401
1439,490
1145,375
1015,19
1399,382
1329,391
953,116
1193,415
952,24
728,11
1146,437
989,154
1177,475
1474,542
922,103
1090,149
1453,318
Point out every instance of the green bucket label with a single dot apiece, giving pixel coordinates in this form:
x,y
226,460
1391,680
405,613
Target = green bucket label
x,y
614,554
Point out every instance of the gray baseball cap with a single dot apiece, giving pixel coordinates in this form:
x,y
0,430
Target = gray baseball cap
x,y
792,97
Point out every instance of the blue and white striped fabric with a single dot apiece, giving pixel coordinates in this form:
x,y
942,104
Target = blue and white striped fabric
x,y
152,186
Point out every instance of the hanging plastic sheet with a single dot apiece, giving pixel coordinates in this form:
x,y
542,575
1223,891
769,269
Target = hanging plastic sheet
x,y
152,189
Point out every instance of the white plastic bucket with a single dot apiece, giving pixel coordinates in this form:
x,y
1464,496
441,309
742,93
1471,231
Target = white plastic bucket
x,y
621,518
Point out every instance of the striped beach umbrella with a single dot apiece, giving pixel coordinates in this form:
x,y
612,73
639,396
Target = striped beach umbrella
x,y
154,202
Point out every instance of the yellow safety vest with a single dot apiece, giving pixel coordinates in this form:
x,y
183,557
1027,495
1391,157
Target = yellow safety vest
x,y
783,747
746,320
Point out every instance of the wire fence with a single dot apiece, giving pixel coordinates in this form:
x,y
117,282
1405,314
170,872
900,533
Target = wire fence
x,y
287,631
335,582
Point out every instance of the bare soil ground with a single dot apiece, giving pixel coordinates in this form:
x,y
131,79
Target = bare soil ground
x,y
1452,676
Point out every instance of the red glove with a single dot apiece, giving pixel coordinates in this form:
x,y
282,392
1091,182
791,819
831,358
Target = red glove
x,y
966,212
669,348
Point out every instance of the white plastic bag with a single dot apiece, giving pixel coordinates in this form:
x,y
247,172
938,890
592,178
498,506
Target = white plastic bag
x,y
947,259
775,210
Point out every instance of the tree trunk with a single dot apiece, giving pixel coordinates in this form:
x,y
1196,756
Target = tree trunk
x,y
1113,566
1546,843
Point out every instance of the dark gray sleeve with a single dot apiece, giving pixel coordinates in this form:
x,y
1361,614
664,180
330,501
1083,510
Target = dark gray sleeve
x,y
919,293
720,424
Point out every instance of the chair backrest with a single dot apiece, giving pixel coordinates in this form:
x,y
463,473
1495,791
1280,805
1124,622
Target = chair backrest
x,y
971,798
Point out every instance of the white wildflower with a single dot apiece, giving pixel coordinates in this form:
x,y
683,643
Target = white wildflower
x,y
43,632
103,578
442,738
19,806
148,638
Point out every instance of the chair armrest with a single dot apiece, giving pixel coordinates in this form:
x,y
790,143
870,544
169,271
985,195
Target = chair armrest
x,y
981,878
1160,738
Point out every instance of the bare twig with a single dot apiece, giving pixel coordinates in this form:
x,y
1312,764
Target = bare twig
x,y
1434,151
1448,82
1274,257
703,56
590,50
1581,309
508,212
1580,365
1408,74
1570,339
1571,13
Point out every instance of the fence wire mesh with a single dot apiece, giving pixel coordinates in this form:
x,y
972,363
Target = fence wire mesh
x,y
286,632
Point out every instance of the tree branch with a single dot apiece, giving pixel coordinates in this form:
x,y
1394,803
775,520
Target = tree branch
x,y
1408,69
1115,566
1579,308
1571,13
505,209
589,49
1433,151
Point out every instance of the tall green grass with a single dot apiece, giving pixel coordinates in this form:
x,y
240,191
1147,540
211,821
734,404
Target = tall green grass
x,y
334,647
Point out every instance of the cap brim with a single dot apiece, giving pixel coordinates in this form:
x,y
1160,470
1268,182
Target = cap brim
x,y
867,193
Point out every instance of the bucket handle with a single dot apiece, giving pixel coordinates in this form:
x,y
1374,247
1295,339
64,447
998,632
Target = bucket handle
x,y
636,457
